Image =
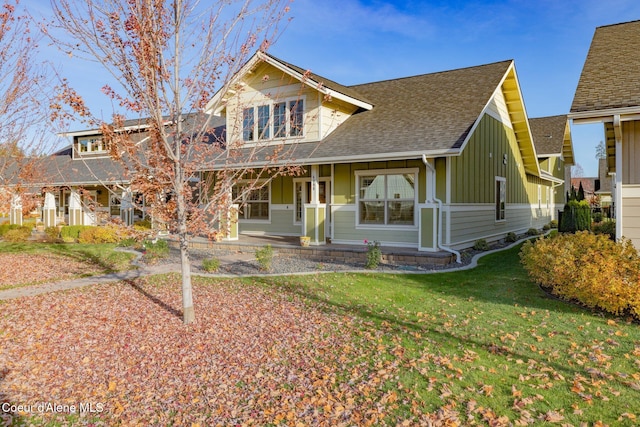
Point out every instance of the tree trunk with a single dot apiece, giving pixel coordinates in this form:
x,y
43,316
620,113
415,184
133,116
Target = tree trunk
x,y
188,312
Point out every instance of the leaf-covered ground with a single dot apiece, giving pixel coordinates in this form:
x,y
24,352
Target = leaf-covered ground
x,y
478,347
16,268
254,357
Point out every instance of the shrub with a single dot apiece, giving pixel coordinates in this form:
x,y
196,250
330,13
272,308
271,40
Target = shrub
x,y
546,227
511,237
532,232
211,264
102,234
264,256
607,227
6,227
19,234
576,217
52,233
481,245
597,217
553,223
68,232
589,268
143,224
374,254
156,249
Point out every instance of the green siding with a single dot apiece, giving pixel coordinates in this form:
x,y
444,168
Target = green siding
x,y
473,172
344,229
427,216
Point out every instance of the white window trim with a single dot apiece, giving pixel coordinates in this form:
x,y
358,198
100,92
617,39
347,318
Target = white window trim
x,y
243,204
497,198
93,141
327,182
271,103
360,172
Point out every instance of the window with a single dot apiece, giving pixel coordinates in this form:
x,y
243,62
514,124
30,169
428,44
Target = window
x,y
90,144
501,198
302,190
254,201
386,198
282,119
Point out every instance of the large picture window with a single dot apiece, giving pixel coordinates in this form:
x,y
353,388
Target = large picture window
x,y
501,198
254,202
387,197
282,119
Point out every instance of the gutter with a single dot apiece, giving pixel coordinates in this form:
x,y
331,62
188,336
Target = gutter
x,y
439,202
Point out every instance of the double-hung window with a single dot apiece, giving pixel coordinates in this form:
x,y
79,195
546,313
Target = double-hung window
x,y
387,197
90,144
254,201
501,198
274,120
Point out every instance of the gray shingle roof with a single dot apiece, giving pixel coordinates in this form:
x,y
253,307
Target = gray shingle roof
x,y
548,134
611,74
430,112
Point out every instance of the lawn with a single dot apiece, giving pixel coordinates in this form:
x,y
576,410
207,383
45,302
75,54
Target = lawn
x,y
24,264
478,347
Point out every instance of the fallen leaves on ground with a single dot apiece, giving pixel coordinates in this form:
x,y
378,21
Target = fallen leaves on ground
x,y
254,357
17,269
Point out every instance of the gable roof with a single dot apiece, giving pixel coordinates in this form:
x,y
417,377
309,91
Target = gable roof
x,y
610,77
552,137
324,86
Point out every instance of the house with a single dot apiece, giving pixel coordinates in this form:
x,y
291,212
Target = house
x,y
608,92
431,162
552,137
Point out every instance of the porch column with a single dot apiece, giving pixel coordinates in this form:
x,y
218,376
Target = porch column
x,y
314,213
75,208
15,212
126,208
49,210
229,223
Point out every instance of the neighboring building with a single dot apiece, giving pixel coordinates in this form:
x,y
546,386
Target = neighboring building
x,y
431,162
609,92
552,136
604,186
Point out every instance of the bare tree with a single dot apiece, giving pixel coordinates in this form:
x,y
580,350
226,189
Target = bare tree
x,y
23,137
577,171
601,151
167,60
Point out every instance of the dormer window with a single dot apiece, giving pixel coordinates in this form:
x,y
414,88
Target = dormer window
x,y
276,120
90,144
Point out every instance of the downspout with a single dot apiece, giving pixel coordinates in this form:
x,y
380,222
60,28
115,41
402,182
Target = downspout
x,y
439,202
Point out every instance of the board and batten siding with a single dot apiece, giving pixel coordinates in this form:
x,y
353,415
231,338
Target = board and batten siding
x,y
473,173
630,152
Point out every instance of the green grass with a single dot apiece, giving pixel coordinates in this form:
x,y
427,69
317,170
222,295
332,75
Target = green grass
x,y
488,343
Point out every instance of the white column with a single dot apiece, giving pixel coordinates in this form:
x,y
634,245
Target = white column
x,y
126,207
15,213
75,208
49,210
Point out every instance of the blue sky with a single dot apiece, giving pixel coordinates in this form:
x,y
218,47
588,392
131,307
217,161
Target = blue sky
x,y
359,41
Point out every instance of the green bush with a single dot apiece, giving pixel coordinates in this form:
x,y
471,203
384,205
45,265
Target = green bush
x,y
546,227
576,217
553,223
481,245
211,264
374,254
606,227
17,234
511,237
73,231
155,250
143,224
264,256
6,227
597,217
532,232
589,268
52,233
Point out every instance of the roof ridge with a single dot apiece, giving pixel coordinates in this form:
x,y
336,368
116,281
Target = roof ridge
x,y
618,23
434,73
